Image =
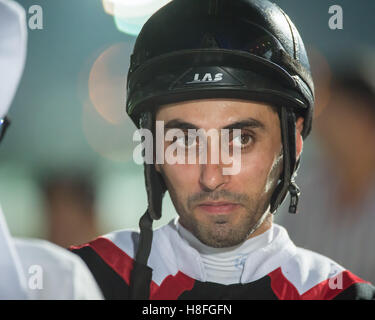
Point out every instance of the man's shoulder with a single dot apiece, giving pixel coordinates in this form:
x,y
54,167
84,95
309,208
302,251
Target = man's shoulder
x,y
122,242
54,272
295,273
309,275
110,258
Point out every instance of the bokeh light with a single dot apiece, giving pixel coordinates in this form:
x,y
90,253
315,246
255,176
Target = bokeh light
x,y
132,26
105,124
107,82
111,141
131,15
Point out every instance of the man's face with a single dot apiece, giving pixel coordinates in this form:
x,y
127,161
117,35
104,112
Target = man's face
x,y
221,210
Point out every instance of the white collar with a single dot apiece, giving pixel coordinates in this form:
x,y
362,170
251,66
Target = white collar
x,y
269,251
246,247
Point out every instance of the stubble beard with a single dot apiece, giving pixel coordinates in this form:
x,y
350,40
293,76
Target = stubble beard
x,y
219,231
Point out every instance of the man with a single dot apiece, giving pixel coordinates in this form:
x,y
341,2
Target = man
x,y
220,64
30,268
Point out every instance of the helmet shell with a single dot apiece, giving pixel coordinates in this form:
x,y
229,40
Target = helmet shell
x,y
197,49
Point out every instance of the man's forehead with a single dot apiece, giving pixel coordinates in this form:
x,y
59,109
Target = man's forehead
x,y
215,112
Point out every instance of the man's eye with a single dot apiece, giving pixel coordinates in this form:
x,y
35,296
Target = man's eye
x,y
242,141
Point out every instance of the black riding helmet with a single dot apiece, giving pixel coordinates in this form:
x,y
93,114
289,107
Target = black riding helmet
x,y
200,49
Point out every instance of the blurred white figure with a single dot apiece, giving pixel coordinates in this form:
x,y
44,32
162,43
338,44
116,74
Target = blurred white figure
x,y
30,268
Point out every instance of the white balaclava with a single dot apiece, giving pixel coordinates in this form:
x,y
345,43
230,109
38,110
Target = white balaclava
x,y
13,36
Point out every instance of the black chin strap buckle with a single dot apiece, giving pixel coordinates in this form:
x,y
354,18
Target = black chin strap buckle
x,y
294,197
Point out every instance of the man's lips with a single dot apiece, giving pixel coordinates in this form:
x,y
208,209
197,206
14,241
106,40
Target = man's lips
x,y
218,207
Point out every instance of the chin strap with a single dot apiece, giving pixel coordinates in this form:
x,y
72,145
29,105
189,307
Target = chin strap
x,y
290,165
141,274
294,192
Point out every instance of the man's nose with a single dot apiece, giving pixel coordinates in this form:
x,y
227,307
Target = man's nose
x,y
211,177
211,171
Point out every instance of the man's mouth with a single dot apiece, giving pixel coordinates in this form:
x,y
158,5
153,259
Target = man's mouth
x,y
218,207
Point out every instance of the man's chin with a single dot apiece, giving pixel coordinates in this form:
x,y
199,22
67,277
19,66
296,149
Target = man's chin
x,y
221,233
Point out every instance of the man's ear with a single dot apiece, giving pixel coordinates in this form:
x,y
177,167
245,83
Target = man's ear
x,y
299,139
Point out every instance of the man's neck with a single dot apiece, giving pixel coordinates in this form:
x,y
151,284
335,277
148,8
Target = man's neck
x,y
265,225
226,265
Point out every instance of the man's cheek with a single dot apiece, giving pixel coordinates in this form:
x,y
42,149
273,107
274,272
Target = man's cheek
x,y
182,175
254,167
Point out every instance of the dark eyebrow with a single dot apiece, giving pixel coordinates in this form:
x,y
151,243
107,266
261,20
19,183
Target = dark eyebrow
x,y
248,123
180,124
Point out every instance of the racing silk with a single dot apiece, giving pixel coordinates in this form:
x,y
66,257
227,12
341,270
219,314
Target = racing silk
x,y
225,265
276,270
